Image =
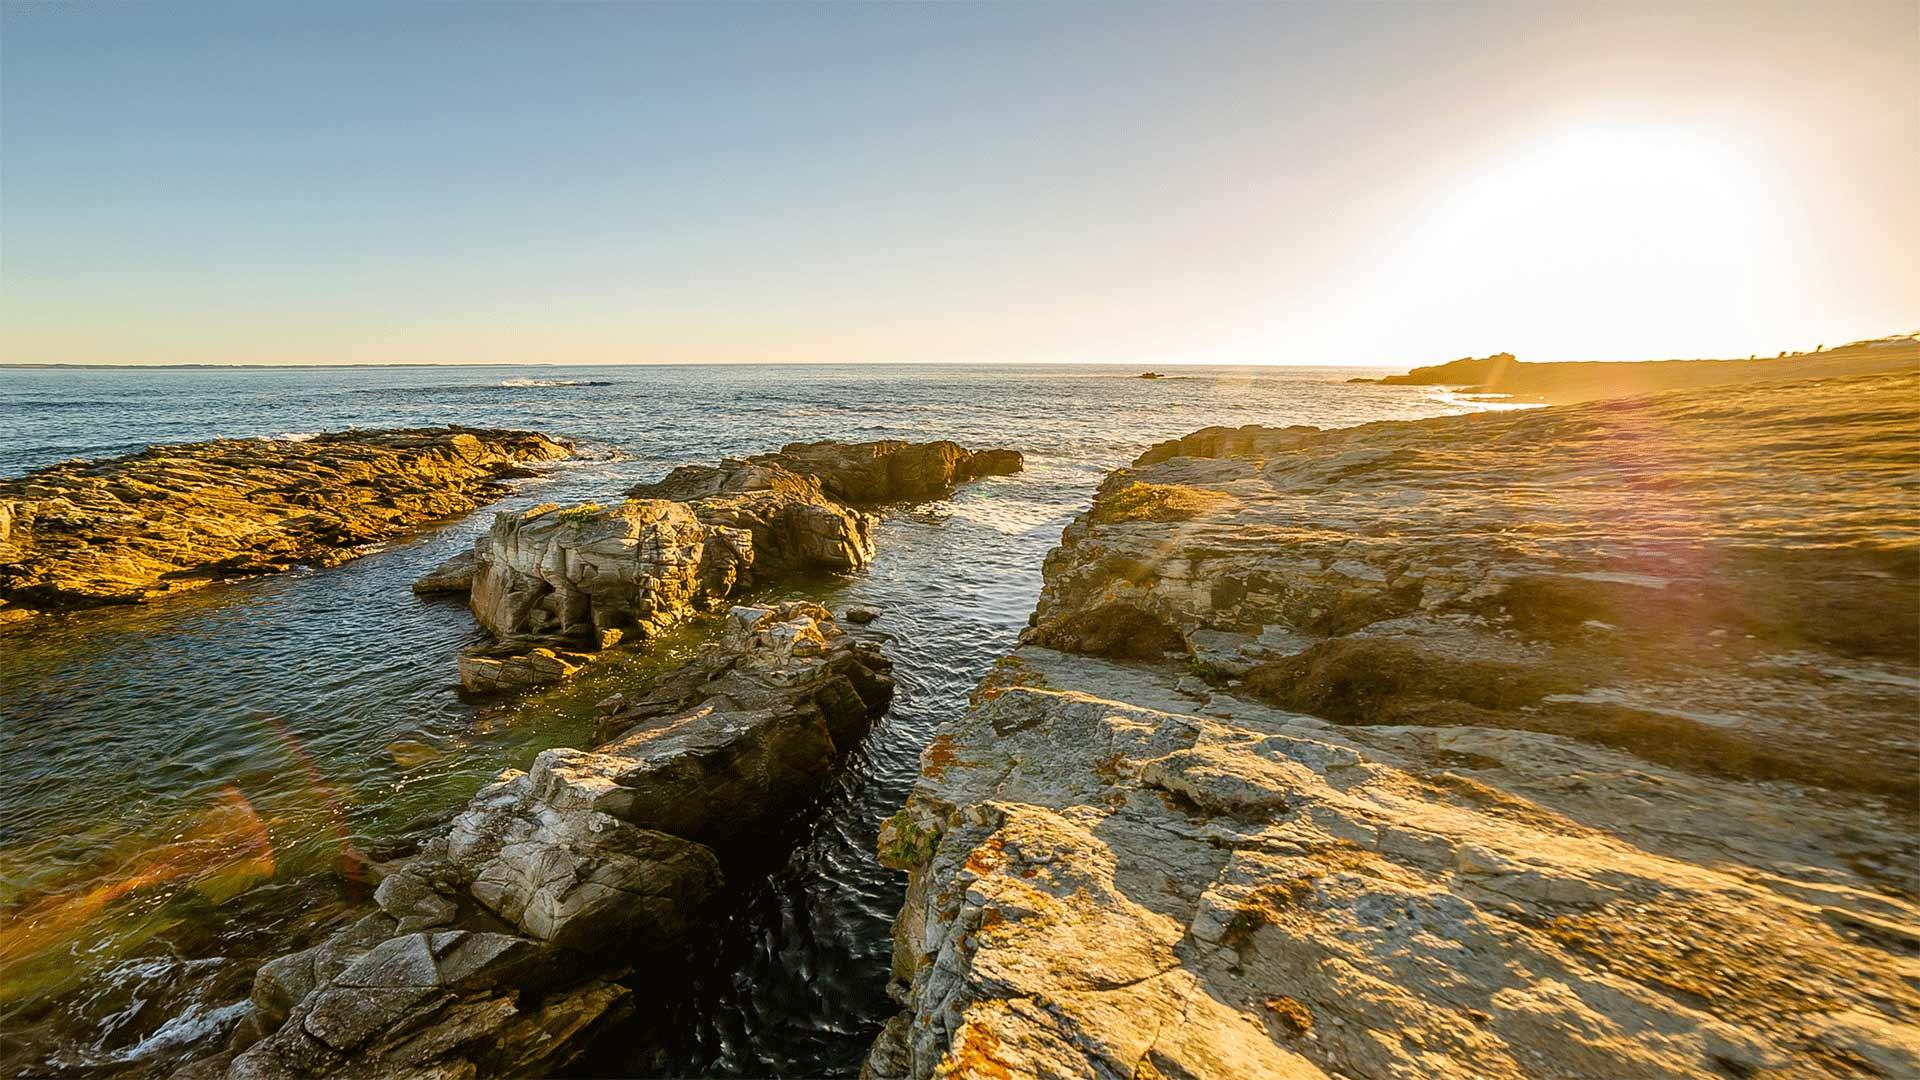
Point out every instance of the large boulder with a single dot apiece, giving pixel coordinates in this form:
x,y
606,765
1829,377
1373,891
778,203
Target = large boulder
x,y
794,525
860,474
548,582
579,573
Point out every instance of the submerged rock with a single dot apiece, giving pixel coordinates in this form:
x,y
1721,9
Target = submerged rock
x,y
1569,743
123,530
498,950
452,576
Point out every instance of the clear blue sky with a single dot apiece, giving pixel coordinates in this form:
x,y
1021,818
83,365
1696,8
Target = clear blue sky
x,y
1138,183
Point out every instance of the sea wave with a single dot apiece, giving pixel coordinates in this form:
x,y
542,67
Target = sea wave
x,y
516,383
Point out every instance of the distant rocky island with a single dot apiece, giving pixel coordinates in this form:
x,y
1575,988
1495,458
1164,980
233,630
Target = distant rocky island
x,y
1562,383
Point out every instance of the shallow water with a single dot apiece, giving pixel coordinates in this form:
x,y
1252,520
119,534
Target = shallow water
x,y
183,787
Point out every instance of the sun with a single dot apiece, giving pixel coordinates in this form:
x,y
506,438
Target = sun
x,y
1626,232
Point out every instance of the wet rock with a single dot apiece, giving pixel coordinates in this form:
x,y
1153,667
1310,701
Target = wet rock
x,y
860,613
497,948
453,576
85,534
505,667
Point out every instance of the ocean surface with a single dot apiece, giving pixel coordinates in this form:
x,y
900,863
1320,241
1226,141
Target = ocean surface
x,y
179,782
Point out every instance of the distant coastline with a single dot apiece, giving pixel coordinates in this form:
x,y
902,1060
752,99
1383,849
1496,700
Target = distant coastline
x,y
689,363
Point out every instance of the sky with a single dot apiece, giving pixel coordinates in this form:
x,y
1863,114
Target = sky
x,y
1137,183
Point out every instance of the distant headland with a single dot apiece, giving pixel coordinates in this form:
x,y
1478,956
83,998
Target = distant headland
x,y
1561,383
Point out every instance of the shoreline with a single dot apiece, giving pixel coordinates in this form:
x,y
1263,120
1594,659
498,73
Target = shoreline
x,y
1228,729
1353,821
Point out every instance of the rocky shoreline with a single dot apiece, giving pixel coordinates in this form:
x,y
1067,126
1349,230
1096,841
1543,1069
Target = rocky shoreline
x,y
1573,742
499,948
1569,743
87,534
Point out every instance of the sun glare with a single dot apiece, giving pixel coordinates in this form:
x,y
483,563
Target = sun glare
x,y
1627,231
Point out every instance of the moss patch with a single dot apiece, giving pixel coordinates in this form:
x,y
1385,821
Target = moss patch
x,y
904,843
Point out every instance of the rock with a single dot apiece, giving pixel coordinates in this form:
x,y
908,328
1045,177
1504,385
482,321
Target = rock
x,y
1443,826
123,530
504,667
1561,383
497,949
1158,877
640,566
860,474
792,522
1691,605
860,613
453,576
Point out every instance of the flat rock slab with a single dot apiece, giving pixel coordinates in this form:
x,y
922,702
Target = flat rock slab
x,y
121,530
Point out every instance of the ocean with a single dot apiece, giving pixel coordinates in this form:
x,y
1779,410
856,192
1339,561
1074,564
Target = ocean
x,y
323,701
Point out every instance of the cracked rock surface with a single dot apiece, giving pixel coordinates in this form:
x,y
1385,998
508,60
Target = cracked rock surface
x,y
1315,763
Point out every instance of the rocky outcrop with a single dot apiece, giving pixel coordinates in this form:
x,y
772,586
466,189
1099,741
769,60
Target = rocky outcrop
x,y
85,534
498,949
1566,743
1723,580
548,582
861,474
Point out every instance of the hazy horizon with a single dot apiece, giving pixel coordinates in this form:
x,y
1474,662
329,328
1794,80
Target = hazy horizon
x,y
1140,184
